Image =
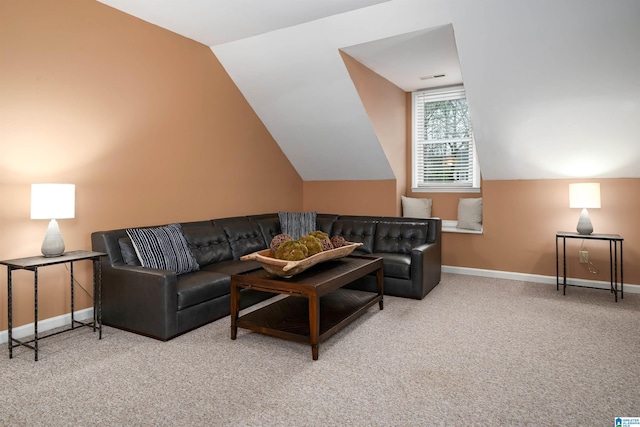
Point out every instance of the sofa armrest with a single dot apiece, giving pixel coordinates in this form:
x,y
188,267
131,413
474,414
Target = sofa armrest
x,y
426,266
138,299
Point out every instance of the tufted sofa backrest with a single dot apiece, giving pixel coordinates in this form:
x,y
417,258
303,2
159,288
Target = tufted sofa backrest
x,y
207,242
356,229
244,237
230,238
399,237
434,225
269,227
324,222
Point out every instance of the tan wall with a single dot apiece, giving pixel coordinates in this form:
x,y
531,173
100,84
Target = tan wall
x,y
146,123
350,197
522,217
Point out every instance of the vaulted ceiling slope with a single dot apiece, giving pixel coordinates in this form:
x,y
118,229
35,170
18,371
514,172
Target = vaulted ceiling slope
x,y
553,85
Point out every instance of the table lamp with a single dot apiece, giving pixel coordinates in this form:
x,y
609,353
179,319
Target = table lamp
x,y
53,201
584,196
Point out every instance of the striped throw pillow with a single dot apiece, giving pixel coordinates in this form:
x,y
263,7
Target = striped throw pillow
x,y
297,224
164,248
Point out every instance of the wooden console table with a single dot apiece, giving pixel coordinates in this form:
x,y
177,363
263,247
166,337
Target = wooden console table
x,y
32,264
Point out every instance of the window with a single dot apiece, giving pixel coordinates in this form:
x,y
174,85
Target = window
x,y
444,155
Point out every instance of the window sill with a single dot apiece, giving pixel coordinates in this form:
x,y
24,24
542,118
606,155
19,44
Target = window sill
x,y
445,190
450,226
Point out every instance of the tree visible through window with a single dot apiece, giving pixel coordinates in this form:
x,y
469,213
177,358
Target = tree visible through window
x,y
443,149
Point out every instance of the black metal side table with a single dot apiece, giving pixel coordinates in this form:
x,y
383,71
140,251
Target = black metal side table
x,y
614,240
32,264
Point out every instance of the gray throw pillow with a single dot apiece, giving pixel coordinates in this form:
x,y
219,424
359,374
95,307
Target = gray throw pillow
x,y
416,208
297,224
164,248
470,214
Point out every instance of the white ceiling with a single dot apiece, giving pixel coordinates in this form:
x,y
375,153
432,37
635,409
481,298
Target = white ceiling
x,y
553,86
408,60
214,22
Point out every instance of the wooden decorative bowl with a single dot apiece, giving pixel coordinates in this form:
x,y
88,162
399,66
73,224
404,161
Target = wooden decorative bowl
x,y
284,268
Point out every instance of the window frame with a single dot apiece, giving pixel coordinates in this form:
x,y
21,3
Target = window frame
x,y
452,92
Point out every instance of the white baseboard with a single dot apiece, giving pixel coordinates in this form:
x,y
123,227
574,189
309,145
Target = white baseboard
x,y
46,324
634,289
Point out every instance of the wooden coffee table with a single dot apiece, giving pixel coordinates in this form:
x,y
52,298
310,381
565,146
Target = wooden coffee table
x,y
317,305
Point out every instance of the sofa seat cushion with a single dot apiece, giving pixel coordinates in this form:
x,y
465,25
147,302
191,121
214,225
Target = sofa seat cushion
x,y
395,265
232,267
201,286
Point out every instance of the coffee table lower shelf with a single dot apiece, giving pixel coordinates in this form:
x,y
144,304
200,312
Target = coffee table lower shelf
x,y
288,318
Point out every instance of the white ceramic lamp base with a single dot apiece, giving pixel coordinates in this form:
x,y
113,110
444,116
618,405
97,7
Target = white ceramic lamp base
x,y
584,223
53,245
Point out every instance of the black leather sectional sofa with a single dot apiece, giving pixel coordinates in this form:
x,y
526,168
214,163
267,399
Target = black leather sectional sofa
x,y
162,305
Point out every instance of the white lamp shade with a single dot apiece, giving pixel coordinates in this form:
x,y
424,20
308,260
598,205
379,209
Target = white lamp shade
x,y
53,201
584,195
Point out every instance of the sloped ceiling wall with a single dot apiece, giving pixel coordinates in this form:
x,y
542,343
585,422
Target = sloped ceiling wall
x,y
553,86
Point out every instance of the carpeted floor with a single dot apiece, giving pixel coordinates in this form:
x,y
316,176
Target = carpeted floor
x,y
475,351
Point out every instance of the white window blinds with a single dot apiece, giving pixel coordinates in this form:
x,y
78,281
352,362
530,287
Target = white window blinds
x,y
443,151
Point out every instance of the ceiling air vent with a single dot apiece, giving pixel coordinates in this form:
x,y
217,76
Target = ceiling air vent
x,y
435,76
